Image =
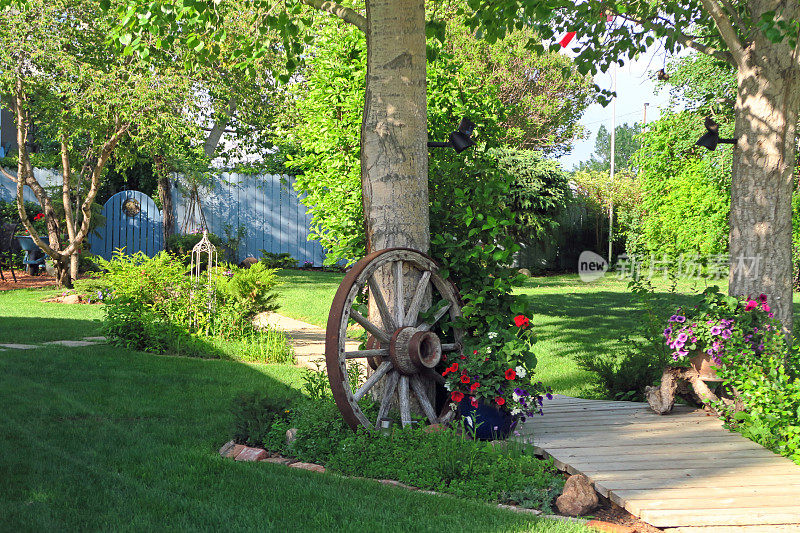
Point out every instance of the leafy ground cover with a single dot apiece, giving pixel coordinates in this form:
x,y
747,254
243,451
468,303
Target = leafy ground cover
x,y
104,437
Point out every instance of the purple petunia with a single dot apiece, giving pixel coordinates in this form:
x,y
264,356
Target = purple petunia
x,y
667,332
680,318
716,330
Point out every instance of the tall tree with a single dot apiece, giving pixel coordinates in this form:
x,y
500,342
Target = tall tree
x,y
625,144
56,64
759,38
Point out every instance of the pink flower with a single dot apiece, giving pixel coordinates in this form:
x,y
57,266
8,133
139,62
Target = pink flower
x,y
765,307
473,401
751,304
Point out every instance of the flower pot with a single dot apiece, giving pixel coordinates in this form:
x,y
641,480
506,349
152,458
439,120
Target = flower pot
x,y
705,365
489,422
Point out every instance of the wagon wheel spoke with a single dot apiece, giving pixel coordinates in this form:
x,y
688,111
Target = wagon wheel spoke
x,y
447,417
372,380
419,390
437,377
399,297
405,401
357,354
388,395
377,294
416,302
439,314
369,326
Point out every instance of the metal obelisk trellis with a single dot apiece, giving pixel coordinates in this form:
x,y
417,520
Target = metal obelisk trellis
x,y
204,247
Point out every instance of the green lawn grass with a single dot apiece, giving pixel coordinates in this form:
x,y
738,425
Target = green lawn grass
x,y
570,317
101,437
307,294
24,318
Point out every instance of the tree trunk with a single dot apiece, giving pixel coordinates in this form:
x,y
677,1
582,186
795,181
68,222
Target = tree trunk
x,y
761,191
394,153
165,196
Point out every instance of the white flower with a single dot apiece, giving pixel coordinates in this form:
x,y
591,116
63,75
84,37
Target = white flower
x,y
516,396
492,334
488,349
521,372
516,411
447,385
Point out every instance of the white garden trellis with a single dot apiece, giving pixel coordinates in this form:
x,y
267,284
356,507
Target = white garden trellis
x,y
204,247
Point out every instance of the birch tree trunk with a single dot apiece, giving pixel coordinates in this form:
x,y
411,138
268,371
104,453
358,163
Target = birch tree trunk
x,y
394,154
761,192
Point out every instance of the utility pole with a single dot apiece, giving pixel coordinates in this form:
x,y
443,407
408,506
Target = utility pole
x,y
644,115
613,157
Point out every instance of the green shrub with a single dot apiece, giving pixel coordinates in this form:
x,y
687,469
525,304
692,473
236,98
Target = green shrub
x,y
248,291
320,430
768,388
282,260
254,414
155,307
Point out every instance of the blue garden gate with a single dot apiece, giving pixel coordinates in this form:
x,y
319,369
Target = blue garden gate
x,y
133,222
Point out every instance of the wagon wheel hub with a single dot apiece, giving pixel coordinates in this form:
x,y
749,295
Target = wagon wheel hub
x,y
412,350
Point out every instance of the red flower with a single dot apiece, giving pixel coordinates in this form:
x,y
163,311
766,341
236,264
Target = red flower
x,y
453,367
474,386
39,216
475,352
499,400
473,401
521,321
464,379
762,298
510,374
750,305
463,357
446,370
457,396
444,357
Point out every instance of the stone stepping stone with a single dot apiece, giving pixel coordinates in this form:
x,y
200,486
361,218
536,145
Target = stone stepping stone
x,y
95,339
19,346
72,344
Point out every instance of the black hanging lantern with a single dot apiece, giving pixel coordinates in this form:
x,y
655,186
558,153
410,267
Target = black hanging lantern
x,y
711,138
461,139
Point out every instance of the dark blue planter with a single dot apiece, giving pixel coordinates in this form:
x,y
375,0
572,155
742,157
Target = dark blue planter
x,y
489,422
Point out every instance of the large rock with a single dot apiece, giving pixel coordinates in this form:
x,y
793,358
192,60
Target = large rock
x,y
578,498
247,262
252,454
524,271
291,435
71,299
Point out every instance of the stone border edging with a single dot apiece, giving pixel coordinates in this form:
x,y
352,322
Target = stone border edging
x,y
240,452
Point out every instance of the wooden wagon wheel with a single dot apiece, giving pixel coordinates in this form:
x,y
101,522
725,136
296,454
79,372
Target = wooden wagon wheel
x,y
403,349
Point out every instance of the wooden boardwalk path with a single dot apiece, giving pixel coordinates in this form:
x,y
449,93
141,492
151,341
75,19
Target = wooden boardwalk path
x,y
682,472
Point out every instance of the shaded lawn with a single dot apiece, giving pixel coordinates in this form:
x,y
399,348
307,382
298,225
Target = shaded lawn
x,y
106,438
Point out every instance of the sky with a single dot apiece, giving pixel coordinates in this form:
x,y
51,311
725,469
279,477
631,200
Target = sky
x,y
635,87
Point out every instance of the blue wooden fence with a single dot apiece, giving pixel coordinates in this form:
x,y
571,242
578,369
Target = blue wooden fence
x,y
8,188
266,205
133,222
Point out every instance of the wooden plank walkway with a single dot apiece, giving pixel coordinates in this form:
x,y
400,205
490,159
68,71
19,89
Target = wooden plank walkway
x,y
683,472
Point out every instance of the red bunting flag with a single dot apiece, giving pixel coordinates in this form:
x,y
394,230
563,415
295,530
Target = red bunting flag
x,y
566,39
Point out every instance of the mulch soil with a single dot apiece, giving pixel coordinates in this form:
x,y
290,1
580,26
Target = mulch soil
x,y
26,281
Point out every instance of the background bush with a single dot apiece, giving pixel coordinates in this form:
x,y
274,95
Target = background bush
x,y
155,307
